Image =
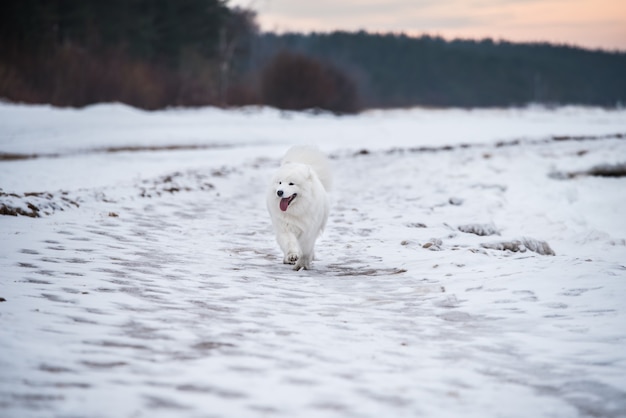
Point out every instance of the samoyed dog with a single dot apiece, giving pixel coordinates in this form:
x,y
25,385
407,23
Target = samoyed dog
x,y
298,203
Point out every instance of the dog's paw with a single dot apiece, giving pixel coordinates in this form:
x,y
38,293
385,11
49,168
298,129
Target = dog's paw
x,y
303,263
291,258
300,266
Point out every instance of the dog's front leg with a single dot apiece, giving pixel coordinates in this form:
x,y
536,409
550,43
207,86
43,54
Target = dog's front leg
x,y
289,244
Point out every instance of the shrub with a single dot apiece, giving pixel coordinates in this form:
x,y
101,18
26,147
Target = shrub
x,y
296,82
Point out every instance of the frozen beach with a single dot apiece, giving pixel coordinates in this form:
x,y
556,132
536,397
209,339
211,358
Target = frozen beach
x,y
474,264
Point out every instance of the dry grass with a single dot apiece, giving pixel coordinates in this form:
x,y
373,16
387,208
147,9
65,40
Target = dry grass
x,y
70,76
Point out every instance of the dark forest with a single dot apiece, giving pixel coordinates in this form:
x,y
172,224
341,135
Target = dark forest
x,y
154,54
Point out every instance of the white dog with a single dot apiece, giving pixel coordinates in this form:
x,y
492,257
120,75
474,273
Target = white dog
x,y
298,203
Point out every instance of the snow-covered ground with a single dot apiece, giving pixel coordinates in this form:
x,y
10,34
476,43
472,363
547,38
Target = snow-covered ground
x,y
151,285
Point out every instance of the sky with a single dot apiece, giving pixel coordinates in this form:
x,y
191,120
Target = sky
x,y
587,23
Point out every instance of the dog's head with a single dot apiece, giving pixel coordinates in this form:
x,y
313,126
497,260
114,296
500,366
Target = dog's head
x,y
289,185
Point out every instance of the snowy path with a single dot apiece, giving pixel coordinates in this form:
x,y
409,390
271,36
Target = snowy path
x,y
164,295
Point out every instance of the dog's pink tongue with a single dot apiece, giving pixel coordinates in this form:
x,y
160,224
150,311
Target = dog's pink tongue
x,y
284,203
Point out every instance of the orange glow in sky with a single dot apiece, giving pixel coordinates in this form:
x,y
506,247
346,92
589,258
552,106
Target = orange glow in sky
x,y
587,23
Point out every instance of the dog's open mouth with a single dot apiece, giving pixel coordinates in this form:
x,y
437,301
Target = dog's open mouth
x,y
285,201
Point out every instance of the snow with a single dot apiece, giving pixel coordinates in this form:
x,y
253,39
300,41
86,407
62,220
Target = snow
x,y
151,283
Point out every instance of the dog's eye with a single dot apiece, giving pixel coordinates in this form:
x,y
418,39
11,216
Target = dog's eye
x,y
280,182
291,184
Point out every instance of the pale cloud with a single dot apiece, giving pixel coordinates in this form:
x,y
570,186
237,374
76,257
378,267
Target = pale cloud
x,y
589,23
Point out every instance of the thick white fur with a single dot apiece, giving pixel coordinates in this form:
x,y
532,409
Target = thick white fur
x,y
306,172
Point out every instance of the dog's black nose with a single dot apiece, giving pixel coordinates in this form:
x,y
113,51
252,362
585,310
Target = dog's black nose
x,y
279,193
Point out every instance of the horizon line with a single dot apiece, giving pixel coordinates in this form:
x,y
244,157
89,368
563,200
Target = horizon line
x,y
426,34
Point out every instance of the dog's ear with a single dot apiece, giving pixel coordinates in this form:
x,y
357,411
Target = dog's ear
x,y
310,173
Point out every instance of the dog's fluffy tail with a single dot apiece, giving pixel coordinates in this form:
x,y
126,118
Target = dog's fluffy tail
x,y
313,158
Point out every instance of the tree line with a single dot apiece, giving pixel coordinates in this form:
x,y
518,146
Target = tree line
x,y
147,53
393,70
158,53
